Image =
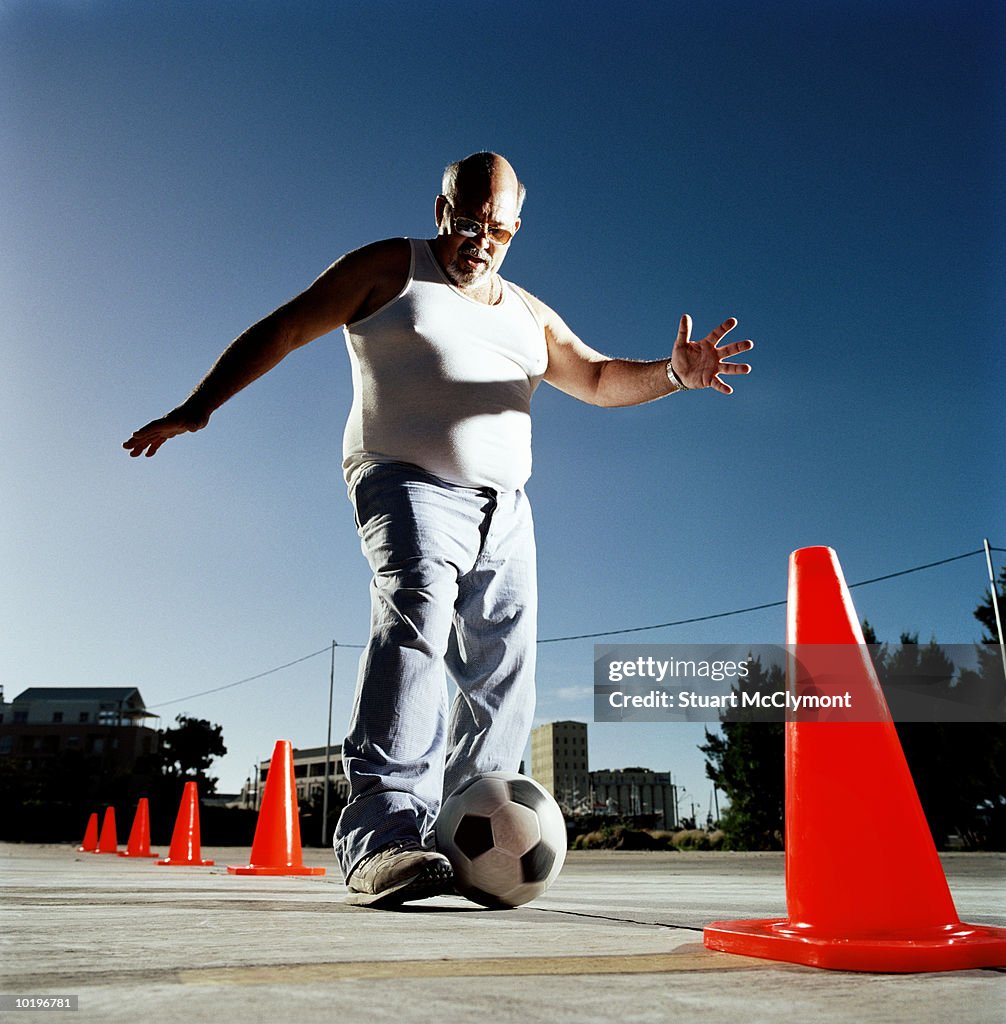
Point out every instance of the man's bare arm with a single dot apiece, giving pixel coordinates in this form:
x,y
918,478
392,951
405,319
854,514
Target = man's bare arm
x,y
581,371
335,298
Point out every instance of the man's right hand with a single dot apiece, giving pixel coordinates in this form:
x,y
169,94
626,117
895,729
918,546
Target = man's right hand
x,y
148,439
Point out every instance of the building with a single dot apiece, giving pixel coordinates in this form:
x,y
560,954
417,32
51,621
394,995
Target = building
x,y
635,792
559,762
102,722
308,774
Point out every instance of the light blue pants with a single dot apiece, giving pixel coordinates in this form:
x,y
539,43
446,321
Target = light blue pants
x,y
454,591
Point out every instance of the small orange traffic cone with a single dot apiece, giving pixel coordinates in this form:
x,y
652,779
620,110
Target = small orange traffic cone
x,y
276,848
139,834
107,842
878,906
185,838
90,841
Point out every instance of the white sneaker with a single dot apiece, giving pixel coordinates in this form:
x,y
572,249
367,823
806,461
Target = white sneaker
x,y
399,872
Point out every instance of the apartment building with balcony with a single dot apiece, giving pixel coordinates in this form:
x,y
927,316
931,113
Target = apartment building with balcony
x,y
108,723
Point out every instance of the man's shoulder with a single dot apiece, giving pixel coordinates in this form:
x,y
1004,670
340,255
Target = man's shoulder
x,y
386,253
381,269
542,311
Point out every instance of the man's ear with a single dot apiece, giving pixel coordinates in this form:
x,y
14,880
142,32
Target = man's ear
x,y
440,209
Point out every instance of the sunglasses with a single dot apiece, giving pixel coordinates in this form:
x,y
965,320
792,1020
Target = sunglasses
x,y
469,228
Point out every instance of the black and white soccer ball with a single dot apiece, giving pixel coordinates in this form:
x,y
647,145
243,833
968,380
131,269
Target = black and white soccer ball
x,y
505,838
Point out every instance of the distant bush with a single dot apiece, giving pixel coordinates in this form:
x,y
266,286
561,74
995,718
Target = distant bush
x,y
624,837
691,839
587,841
637,839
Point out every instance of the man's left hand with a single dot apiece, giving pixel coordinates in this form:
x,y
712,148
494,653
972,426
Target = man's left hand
x,y
699,364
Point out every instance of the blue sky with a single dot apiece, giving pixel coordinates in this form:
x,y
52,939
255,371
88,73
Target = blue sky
x,y
830,174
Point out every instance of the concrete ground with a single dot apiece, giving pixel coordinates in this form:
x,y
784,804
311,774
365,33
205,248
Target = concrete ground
x,y
617,938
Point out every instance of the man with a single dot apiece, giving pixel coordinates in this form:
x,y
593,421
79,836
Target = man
x,y
445,357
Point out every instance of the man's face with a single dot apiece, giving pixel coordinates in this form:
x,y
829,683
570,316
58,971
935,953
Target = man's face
x,y
470,261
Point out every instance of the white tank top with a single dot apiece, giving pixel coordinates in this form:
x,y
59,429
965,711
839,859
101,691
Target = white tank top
x,y
444,382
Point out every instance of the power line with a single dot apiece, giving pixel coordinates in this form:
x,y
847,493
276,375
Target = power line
x,y
249,679
588,636
757,607
662,625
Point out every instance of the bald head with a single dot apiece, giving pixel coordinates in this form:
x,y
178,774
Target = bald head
x,y
485,174
481,193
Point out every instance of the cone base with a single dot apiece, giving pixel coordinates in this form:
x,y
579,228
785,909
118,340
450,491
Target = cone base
x,y
958,947
257,869
126,853
186,863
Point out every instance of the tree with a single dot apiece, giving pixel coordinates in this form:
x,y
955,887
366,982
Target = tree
x,y
956,766
311,812
188,750
985,614
930,748
992,807
959,768
747,763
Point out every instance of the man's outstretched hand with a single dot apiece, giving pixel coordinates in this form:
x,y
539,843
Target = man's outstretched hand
x,y
148,439
698,364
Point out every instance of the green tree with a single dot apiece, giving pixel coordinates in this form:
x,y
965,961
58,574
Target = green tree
x,y
746,761
985,614
311,813
929,747
187,751
957,767
992,688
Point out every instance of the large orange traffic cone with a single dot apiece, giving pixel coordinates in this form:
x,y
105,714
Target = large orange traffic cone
x,y
90,841
139,834
185,838
276,847
107,842
882,905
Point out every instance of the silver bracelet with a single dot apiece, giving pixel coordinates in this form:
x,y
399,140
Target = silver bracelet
x,y
675,379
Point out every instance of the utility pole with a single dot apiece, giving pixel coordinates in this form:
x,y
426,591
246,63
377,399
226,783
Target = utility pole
x,y
328,750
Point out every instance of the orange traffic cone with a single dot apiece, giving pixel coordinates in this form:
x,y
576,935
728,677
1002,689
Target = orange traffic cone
x,y
276,848
878,906
90,841
185,838
107,842
139,834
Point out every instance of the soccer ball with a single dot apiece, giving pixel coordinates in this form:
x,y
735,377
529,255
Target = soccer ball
x,y
505,838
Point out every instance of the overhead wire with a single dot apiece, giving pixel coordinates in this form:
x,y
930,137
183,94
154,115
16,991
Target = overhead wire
x,y
585,636
757,607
